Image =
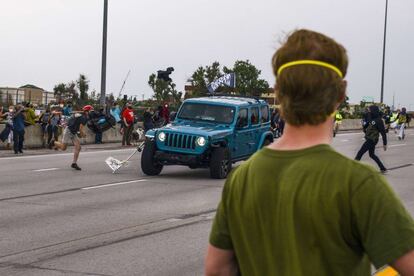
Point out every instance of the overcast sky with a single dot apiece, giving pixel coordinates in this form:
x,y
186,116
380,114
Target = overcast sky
x,y
45,42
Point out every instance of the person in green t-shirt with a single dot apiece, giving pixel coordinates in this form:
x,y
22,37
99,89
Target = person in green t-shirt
x,y
297,207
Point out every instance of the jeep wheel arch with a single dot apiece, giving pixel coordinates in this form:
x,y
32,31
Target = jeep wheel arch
x,y
220,163
148,164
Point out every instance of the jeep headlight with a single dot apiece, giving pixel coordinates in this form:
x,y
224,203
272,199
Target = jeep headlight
x,y
161,136
201,141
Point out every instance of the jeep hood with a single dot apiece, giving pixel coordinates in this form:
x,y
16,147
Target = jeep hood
x,y
198,129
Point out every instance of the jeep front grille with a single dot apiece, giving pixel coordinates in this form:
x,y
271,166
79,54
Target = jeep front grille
x,y
181,141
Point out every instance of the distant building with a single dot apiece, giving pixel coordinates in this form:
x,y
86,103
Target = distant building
x,y
11,95
32,94
26,93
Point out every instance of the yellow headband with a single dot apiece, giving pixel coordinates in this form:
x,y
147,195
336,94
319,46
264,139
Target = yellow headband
x,y
313,62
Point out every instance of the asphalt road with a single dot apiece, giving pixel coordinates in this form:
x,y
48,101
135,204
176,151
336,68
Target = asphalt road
x,y
56,221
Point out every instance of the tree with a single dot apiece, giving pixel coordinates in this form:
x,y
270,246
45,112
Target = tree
x,y
66,92
203,76
344,104
164,91
82,84
59,91
247,79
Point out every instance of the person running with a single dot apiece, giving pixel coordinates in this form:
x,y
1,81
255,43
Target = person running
x,y
337,123
393,120
402,119
375,127
72,132
298,207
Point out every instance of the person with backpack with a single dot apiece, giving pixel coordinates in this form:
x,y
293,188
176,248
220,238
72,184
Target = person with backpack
x,y
44,120
375,127
53,126
402,119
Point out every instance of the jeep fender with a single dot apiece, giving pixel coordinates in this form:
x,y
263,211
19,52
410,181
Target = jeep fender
x,y
219,143
266,135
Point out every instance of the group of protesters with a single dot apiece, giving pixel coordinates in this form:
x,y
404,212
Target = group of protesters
x,y
16,118
54,119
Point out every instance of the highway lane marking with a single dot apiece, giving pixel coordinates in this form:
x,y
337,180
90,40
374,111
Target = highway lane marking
x,y
345,140
46,170
400,167
113,184
69,190
397,145
63,154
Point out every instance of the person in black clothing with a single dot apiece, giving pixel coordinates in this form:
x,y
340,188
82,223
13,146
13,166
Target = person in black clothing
x,y
375,127
72,132
148,120
18,129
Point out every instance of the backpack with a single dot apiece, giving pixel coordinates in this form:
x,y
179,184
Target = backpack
x,y
371,132
45,118
402,119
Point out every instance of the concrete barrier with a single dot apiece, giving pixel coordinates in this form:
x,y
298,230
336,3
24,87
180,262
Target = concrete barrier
x,y
33,136
350,124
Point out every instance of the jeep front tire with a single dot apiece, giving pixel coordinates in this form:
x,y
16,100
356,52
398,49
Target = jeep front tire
x,y
220,164
148,164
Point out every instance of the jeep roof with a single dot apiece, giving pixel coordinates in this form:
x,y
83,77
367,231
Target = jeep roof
x,y
227,100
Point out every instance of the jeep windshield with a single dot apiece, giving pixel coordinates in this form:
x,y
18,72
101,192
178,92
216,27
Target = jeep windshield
x,y
207,112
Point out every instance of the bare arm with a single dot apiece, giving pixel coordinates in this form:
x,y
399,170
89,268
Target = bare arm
x,y
220,262
81,131
405,264
125,122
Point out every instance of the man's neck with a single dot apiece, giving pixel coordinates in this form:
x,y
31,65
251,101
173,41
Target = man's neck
x,y
295,138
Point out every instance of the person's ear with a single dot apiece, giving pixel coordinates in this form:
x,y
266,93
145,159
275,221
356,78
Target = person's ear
x,y
342,94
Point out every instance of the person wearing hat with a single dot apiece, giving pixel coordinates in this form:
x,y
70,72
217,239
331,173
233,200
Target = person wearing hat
x,y
72,132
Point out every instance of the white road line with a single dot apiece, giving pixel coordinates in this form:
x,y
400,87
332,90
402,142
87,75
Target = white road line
x,y
350,134
62,154
46,170
113,184
397,145
345,140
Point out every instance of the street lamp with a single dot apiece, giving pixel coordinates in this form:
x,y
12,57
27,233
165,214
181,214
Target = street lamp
x,y
103,68
383,52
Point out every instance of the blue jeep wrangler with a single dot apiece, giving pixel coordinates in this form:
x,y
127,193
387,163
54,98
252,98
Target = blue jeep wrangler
x,y
210,132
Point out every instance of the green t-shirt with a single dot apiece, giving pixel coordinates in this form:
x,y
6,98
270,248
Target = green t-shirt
x,y
310,212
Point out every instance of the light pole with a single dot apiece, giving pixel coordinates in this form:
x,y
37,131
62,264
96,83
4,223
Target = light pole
x,y
103,68
383,52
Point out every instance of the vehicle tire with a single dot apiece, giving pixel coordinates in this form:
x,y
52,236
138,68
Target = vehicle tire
x,y
148,164
267,142
220,164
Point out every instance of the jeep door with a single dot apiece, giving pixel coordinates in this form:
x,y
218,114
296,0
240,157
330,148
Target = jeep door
x,y
242,136
254,129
